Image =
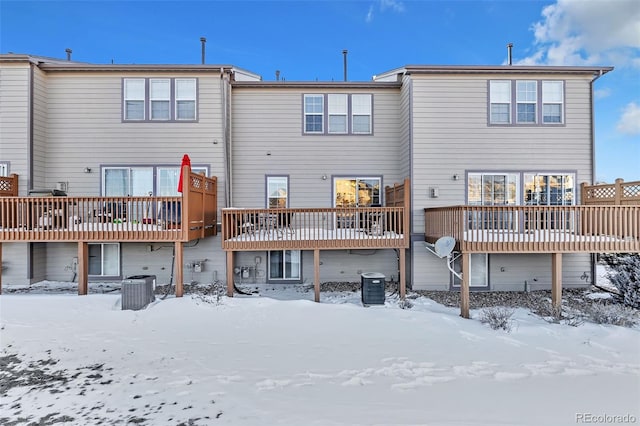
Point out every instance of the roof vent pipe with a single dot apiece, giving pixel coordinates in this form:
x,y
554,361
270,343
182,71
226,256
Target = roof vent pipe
x,y
203,41
277,75
344,54
69,51
509,48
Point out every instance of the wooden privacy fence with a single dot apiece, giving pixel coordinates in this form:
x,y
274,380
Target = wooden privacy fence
x,y
9,186
619,193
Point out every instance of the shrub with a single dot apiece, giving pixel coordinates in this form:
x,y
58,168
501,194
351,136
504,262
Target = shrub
x,y
624,274
498,318
612,315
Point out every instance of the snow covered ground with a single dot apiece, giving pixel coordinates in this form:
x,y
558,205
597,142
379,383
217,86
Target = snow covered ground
x,y
281,359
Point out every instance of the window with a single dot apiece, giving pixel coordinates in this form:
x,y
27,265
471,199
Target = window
x,y
159,99
549,189
526,100
313,113
284,265
337,113
122,181
4,169
345,114
492,189
134,96
552,101
478,271
104,259
500,100
361,114
185,99
277,189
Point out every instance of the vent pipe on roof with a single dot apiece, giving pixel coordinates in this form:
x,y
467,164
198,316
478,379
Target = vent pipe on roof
x,y
69,51
509,48
203,41
344,54
277,75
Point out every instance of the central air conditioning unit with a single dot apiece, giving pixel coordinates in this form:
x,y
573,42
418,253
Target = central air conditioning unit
x,y
138,291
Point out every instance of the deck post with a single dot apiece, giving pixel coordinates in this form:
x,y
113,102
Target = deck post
x,y
316,274
83,267
556,282
403,278
178,265
0,268
230,273
464,285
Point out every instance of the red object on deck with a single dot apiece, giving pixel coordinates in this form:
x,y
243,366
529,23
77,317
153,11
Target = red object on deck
x,y
186,161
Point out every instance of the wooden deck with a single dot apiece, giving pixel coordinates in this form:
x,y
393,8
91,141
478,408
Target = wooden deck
x,y
608,222
102,219
249,229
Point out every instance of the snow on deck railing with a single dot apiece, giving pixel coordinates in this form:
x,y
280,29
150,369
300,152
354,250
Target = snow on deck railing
x,y
536,229
310,228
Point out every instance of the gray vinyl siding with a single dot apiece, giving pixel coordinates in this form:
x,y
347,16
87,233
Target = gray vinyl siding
x,y
14,260
14,120
85,130
269,121
335,265
431,273
451,136
405,128
39,134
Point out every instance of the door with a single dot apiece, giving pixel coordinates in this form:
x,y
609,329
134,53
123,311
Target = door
x,y
356,192
492,189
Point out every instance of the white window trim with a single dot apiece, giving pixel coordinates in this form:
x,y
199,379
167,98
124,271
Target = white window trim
x,y
334,111
147,101
126,97
313,114
534,102
539,105
355,113
153,98
119,260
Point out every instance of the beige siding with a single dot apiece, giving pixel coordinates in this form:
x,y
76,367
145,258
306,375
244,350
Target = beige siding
x,y
451,136
14,120
268,121
85,130
39,153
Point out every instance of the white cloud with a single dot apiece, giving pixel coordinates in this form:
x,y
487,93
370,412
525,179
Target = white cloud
x,y
602,93
579,32
630,121
383,5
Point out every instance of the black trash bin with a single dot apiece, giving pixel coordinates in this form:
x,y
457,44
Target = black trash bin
x,y
372,288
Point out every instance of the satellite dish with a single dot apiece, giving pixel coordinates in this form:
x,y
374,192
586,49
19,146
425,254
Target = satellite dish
x,y
444,246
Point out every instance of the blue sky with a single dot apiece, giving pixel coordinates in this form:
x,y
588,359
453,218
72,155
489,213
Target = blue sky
x,y
305,39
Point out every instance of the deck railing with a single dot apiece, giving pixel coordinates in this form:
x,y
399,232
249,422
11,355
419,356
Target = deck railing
x,y
9,186
536,229
184,218
619,193
314,228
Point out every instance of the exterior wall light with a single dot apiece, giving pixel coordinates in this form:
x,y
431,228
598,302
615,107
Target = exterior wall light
x,y
87,169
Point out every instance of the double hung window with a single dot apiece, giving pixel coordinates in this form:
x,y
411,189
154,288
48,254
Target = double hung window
x,y
159,99
552,101
313,113
338,113
526,102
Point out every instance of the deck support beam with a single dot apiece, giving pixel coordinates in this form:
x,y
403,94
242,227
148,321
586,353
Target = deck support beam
x,y
83,268
230,273
556,282
316,275
403,268
464,285
179,265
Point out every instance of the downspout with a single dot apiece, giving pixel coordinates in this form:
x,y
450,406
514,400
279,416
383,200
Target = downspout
x,y
226,136
30,160
593,161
